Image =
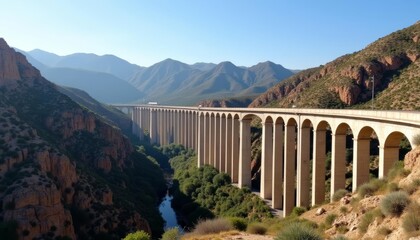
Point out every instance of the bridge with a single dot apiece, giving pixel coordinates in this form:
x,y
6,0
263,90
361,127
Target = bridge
x,y
290,139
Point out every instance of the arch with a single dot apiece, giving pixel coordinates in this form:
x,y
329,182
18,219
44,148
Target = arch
x,y
390,152
305,142
362,152
340,157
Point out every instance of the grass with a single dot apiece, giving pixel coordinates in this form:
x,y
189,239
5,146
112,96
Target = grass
x,y
330,219
298,231
397,171
171,234
212,226
238,223
369,189
256,228
411,221
339,194
394,203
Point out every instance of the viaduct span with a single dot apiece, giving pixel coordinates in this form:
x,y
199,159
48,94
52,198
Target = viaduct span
x,y
290,139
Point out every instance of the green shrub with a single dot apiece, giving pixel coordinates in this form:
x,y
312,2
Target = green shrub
x,y
298,231
256,228
339,194
330,219
366,220
139,235
392,187
394,203
238,223
411,221
339,237
297,211
398,170
343,209
365,189
384,231
212,226
171,234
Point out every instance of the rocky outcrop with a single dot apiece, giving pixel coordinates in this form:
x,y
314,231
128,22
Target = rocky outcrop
x,y
38,178
350,76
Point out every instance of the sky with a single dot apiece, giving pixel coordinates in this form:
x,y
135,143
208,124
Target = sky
x,y
297,34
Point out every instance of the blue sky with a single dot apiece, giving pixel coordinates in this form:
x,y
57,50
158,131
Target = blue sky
x,y
297,34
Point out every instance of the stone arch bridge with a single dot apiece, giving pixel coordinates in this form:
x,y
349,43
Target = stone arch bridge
x,y
291,138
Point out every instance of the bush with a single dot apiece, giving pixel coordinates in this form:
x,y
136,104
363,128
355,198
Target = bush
x,y
330,219
339,194
384,231
365,189
139,235
339,237
212,226
257,228
394,203
238,223
297,211
411,221
171,234
398,171
343,209
366,220
298,231
392,187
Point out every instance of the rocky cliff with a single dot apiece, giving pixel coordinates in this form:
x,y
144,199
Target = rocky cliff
x,y
390,65
60,163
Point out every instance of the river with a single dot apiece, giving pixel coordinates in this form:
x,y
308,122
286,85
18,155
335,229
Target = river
x,y
168,213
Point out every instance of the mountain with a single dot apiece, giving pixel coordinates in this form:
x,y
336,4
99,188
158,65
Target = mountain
x,y
167,82
87,61
91,75
64,171
104,87
392,61
173,82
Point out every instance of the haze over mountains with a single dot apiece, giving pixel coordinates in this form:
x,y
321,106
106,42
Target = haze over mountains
x,y
110,79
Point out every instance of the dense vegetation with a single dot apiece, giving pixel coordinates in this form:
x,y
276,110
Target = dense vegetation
x,y
201,193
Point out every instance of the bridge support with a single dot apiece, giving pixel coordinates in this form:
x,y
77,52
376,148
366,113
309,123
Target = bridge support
x,y
361,159
303,172
318,169
245,153
289,169
235,150
338,163
228,141
267,160
278,141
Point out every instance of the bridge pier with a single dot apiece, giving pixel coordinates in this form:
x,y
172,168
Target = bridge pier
x,y
245,153
278,142
338,163
303,163
318,169
361,159
289,169
267,160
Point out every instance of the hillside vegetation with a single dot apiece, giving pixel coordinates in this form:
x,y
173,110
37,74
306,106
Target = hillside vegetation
x,y
65,173
392,61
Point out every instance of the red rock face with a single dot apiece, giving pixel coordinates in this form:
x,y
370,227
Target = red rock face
x,y
36,202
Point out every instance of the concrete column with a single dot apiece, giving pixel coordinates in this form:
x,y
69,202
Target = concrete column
x,y
338,163
318,167
278,142
133,122
217,142
140,123
387,158
267,160
303,181
153,127
289,169
235,150
184,129
361,159
206,140
245,153
201,137
228,142
164,128
211,140
178,127
161,127
222,144
188,130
